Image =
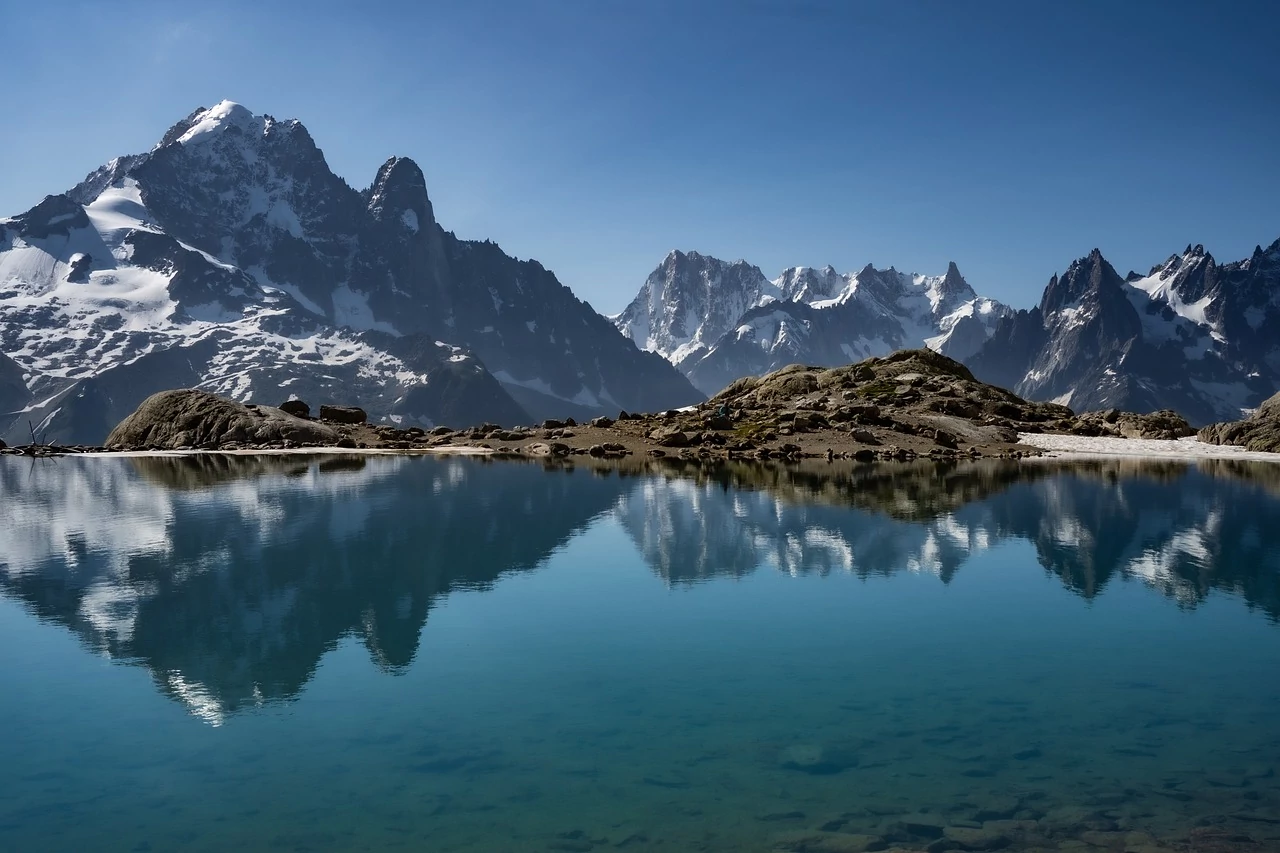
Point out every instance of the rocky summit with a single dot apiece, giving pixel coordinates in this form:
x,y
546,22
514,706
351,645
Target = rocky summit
x,y
231,258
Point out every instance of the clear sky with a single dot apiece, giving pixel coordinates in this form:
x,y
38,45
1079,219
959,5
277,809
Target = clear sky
x,y
595,136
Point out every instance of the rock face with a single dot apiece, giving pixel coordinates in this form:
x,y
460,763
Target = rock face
x,y
717,321
234,235
1191,336
1260,431
13,390
190,418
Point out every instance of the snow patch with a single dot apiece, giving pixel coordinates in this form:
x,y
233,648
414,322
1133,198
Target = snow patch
x,y
216,120
1182,448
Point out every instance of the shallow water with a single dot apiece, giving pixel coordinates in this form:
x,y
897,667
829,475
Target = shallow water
x,y
346,653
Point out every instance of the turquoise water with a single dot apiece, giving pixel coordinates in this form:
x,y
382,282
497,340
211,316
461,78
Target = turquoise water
x,y
341,653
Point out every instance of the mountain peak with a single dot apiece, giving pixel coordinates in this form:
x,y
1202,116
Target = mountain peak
x,y
205,124
399,191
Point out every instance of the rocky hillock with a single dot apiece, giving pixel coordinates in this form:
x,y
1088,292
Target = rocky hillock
x,y
1260,432
189,419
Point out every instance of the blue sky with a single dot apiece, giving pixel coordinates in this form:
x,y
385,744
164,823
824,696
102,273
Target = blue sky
x,y
1010,137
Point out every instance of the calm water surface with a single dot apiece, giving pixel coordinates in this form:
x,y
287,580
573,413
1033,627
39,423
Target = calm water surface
x,y
344,653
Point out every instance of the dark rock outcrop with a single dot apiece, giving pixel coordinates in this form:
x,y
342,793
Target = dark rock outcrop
x,y
13,390
343,414
1261,431
297,408
190,418
1163,424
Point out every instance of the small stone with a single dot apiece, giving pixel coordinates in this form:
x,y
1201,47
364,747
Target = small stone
x,y
602,422
945,439
671,437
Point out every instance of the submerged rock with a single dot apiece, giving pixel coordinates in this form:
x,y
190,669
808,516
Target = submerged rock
x,y
817,759
190,418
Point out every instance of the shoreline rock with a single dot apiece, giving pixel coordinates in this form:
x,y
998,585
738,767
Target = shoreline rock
x,y
1259,432
194,419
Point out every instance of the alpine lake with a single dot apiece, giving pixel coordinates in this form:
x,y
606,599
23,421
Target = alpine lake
x,y
379,652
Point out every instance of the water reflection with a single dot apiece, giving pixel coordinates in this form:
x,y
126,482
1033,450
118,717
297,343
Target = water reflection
x,y
229,577
233,578
1184,529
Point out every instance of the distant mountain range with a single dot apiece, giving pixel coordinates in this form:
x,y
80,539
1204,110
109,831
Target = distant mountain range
x,y
717,321
1190,335
231,258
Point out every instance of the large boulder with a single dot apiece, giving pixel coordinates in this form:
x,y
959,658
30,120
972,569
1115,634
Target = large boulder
x,y
190,418
1261,431
297,408
343,414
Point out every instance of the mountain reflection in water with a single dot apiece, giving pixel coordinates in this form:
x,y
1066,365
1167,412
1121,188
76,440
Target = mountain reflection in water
x,y
229,577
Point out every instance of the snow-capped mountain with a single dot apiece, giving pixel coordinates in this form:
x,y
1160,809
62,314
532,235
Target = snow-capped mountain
x,y
1190,335
717,321
231,258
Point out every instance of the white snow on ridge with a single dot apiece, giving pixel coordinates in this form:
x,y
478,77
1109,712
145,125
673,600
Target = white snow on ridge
x,y
216,119
351,309
119,209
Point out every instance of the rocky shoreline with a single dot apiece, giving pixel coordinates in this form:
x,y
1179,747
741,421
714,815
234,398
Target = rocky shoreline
x,y
909,405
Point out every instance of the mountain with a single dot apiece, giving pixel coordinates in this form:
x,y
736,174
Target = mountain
x,y
1192,336
231,258
717,321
